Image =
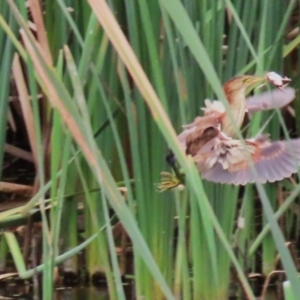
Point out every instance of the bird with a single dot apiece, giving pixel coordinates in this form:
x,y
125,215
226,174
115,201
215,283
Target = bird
x,y
222,158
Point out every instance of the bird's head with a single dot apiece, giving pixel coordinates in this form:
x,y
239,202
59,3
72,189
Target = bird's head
x,y
241,83
235,88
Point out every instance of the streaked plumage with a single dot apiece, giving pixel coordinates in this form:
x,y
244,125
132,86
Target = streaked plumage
x,y
220,158
235,90
225,160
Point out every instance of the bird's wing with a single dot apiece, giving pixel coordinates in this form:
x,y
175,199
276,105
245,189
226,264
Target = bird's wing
x,y
196,134
271,161
270,100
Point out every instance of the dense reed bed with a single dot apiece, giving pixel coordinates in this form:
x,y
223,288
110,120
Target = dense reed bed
x,y
97,90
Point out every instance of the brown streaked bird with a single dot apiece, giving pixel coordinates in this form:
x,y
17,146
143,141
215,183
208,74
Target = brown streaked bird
x,y
222,159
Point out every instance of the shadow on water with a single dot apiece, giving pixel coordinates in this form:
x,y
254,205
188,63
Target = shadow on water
x,y
21,291
79,293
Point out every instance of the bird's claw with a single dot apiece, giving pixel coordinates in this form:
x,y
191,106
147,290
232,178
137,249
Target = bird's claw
x,y
168,182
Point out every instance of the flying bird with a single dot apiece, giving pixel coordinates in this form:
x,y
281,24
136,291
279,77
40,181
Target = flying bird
x,y
219,157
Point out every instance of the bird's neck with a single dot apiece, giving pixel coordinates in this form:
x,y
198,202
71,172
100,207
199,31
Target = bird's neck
x,y
237,102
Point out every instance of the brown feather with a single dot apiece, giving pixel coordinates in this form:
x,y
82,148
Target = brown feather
x,y
191,137
196,140
234,90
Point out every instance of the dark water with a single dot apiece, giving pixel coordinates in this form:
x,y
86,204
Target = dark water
x,y
24,292
80,293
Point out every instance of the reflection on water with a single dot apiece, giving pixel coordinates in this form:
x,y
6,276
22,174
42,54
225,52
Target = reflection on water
x,y
21,291
80,293
15,289
18,290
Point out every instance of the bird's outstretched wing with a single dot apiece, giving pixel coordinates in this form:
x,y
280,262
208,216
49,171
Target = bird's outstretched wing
x,y
270,100
229,161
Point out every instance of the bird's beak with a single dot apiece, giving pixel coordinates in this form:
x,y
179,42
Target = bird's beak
x,y
251,80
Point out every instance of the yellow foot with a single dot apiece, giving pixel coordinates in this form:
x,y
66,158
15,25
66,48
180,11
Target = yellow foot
x,y
168,181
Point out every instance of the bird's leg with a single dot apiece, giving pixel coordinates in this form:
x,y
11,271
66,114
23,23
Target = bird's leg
x,y
171,160
169,180
179,174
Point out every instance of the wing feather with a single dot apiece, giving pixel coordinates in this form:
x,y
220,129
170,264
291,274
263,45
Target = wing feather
x,y
198,133
270,100
275,161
